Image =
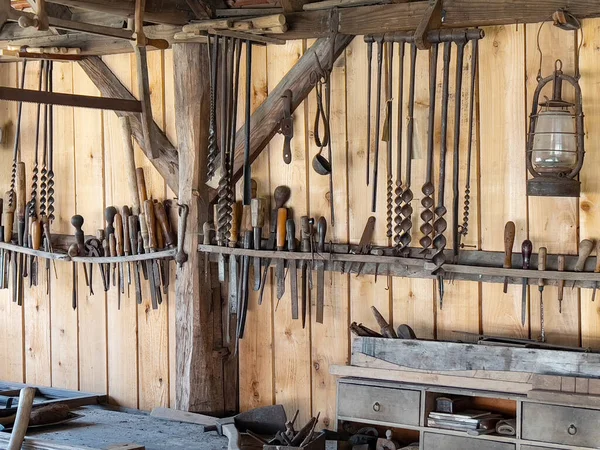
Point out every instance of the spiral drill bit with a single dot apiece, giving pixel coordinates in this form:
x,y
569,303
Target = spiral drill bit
x,y
398,191
460,53
464,228
440,225
428,189
407,194
50,126
213,147
13,173
390,176
35,173
44,171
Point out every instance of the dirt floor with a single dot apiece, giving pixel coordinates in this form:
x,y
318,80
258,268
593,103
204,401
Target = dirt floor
x,y
103,427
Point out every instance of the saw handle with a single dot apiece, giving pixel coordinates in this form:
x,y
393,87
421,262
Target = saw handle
x,y
585,249
509,241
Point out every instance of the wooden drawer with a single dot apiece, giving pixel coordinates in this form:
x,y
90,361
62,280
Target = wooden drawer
x,y
435,441
561,425
382,404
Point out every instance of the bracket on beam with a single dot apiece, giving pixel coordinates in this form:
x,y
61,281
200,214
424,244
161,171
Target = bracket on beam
x,y
432,19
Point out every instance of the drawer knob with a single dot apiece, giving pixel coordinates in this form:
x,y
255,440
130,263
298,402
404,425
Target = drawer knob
x,y
376,407
572,430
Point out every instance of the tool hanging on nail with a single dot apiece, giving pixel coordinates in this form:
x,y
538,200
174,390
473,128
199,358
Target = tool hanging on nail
x,y
428,188
213,146
400,122
286,126
526,249
388,136
377,121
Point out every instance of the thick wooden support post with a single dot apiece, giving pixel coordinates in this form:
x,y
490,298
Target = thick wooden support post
x,y
110,86
199,381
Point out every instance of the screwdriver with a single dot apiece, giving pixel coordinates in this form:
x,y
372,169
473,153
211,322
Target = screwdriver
x,y
561,283
585,249
526,249
509,241
542,255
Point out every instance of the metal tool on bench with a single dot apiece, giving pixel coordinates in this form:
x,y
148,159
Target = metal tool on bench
x,y
542,256
509,241
386,329
321,233
290,228
585,249
364,245
526,250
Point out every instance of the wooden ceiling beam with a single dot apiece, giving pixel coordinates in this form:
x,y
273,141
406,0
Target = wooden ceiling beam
x,y
167,163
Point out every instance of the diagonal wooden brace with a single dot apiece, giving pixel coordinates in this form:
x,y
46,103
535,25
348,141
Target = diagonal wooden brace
x,y
432,19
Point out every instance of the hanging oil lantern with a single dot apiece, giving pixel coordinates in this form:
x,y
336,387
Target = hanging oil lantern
x,y
555,145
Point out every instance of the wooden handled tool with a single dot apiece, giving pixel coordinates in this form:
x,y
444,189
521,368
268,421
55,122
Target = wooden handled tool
x,y
153,272
585,249
258,220
119,234
290,227
542,256
282,214
165,225
130,170
150,223
509,241
526,250
74,251
141,187
8,217
101,238
109,215
235,225
36,234
561,283
386,329
597,268
126,214
321,233
306,224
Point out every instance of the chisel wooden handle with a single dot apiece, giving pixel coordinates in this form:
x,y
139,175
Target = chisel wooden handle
x,y
281,231
133,233
321,232
109,215
290,228
112,245
8,218
141,187
234,235
36,234
130,164
160,239
150,224
165,225
126,214
246,224
257,212
144,233
585,249
509,241
542,256
119,234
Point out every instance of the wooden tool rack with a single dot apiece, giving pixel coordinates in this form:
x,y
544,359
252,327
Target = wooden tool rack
x,y
479,266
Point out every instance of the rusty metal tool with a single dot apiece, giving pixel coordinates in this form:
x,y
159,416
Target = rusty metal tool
x,y
126,214
258,221
377,120
386,329
526,249
93,248
107,266
109,216
120,251
456,232
112,245
290,227
213,145
321,233
8,216
428,188
561,283
36,244
77,222
282,214
286,126
440,225
168,240
306,231
144,247
50,133
243,306
399,126
151,224
364,245
509,241
247,174
181,257
72,252
542,256
585,249
388,135
235,281
20,180
369,83
102,250
596,269
407,194
17,144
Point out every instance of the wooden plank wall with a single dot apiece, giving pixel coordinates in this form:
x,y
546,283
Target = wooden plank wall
x,y
130,353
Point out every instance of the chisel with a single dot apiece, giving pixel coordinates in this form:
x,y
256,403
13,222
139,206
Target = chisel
x,y
126,214
290,228
509,241
305,247
321,232
72,252
133,234
120,251
109,215
36,244
112,245
561,283
526,249
151,224
168,240
596,269
106,250
585,249
144,243
100,236
258,221
280,267
542,255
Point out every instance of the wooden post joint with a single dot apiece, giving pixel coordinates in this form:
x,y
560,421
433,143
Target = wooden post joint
x,y
432,19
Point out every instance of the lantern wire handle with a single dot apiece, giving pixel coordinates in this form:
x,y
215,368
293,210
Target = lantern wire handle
x,y
577,50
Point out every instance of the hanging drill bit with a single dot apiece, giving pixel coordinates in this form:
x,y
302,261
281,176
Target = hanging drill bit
x,y
407,195
369,82
13,173
377,120
398,190
35,172
50,126
464,228
44,170
428,188
213,147
389,138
